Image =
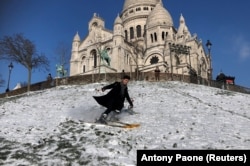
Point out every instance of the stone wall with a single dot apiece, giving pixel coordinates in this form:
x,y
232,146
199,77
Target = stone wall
x,y
147,76
33,87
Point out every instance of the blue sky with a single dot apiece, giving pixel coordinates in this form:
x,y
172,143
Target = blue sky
x,y
50,22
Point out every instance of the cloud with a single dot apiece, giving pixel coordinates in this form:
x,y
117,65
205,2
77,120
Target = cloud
x,y
242,47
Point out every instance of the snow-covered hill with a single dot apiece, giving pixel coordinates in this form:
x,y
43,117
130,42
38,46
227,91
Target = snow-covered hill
x,y
48,127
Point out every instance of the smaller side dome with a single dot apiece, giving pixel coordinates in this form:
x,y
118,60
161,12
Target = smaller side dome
x,y
183,29
77,38
118,20
159,16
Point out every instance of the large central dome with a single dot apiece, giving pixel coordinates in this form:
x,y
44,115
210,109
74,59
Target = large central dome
x,y
129,3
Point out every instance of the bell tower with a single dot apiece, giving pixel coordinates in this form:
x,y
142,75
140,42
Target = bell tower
x,y
74,55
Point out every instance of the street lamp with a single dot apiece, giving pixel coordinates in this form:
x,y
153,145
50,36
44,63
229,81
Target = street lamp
x,y
10,68
209,45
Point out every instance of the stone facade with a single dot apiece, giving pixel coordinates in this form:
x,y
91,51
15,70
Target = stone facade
x,y
142,38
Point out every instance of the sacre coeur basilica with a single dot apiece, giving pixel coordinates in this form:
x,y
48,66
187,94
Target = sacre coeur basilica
x,y
143,38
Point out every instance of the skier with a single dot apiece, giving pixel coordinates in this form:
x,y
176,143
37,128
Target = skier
x,y
114,99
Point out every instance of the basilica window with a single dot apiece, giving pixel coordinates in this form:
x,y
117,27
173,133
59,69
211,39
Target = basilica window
x,y
132,33
155,35
95,60
164,35
94,56
94,24
83,69
126,35
154,60
145,8
152,38
138,9
138,30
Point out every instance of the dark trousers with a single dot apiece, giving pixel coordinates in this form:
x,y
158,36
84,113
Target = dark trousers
x,y
109,107
108,110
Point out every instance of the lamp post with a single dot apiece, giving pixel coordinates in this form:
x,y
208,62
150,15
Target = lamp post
x,y
10,68
209,45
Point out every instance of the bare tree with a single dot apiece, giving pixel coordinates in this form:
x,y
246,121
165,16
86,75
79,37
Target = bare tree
x,y
18,49
98,45
138,51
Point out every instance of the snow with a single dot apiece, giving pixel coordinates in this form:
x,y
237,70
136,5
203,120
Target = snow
x,y
54,126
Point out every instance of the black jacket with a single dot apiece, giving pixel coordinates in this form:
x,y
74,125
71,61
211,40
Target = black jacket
x,y
114,98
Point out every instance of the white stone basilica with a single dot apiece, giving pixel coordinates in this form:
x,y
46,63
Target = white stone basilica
x,y
142,38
